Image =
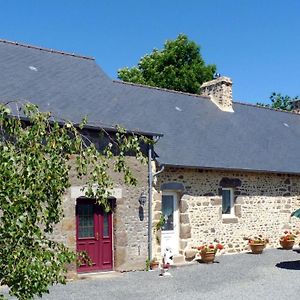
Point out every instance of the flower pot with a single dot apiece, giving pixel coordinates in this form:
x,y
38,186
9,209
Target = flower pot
x,y
257,248
208,257
287,244
154,265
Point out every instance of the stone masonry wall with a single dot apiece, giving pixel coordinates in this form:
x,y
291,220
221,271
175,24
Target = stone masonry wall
x,y
220,92
263,204
129,219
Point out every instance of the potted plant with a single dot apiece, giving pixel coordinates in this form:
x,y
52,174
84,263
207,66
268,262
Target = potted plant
x,y
287,240
257,244
208,252
157,228
154,263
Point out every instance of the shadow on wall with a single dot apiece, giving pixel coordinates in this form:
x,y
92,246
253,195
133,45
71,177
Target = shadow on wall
x,y
141,213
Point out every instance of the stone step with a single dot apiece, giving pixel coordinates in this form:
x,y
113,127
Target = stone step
x,y
99,275
178,259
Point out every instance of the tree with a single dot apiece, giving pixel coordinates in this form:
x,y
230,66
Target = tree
x,y
178,66
35,155
278,101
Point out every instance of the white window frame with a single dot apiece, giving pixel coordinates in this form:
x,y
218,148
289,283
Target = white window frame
x,y
232,212
175,209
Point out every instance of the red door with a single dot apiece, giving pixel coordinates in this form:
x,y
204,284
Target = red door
x,y
94,235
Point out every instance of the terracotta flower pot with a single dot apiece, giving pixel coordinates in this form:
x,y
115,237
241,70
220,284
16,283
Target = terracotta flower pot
x,y
257,248
287,244
208,257
154,265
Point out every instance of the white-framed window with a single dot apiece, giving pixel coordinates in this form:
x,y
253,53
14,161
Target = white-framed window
x,y
168,210
227,202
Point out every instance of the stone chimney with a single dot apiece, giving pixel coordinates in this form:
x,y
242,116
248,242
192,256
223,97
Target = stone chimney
x,y
220,92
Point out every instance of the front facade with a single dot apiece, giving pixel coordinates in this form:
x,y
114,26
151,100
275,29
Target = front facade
x,y
228,170
115,240
228,206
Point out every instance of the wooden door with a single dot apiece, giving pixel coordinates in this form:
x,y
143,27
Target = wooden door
x,y
94,235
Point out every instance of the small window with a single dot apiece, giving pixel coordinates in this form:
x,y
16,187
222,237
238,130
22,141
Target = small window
x,y
86,221
168,212
105,225
227,202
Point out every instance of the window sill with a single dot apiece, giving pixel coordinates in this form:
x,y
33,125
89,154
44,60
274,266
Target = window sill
x,y
229,219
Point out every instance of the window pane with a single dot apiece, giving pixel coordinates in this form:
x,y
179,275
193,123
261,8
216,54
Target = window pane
x,y
226,201
86,221
168,212
105,225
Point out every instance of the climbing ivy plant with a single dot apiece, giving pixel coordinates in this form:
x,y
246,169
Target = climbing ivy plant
x,y
35,153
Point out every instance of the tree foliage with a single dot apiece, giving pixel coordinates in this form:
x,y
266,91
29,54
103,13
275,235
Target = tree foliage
x,y
178,66
34,175
279,101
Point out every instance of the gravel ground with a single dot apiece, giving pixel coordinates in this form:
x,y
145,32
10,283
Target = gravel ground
x,y
273,275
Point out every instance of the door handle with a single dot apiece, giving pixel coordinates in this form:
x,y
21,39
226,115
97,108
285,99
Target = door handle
x,y
97,236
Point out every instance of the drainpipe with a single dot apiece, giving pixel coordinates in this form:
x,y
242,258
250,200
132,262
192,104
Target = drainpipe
x,y
150,179
150,184
158,172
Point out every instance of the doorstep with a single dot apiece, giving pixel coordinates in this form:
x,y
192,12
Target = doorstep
x,y
99,275
184,264
179,261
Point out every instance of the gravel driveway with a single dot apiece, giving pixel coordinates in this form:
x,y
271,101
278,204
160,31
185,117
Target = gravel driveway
x,y
273,275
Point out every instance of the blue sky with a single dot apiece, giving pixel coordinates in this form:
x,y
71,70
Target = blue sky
x,y
256,43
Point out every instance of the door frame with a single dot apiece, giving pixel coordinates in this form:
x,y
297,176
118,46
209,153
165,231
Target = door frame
x,y
90,200
175,217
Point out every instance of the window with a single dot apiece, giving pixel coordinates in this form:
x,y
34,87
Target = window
x,y
105,225
168,212
86,221
227,202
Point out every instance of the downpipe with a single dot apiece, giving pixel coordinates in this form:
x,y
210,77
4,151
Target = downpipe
x,y
150,185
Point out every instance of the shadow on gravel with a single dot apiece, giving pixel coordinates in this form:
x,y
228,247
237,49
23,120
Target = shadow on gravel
x,y
289,265
202,262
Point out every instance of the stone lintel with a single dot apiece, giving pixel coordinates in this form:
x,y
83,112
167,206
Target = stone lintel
x,y
230,220
79,191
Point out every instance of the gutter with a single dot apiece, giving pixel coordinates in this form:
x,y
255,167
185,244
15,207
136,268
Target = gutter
x,y
215,168
96,127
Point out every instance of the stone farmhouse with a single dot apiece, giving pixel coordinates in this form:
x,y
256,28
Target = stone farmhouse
x,y
220,169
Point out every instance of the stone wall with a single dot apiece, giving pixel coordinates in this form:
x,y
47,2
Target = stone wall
x,y
130,221
263,204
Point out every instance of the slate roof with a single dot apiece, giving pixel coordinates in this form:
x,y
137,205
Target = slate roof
x,y
198,134
66,84
195,132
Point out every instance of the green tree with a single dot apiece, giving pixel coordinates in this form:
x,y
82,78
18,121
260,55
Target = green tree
x,y
178,66
278,101
34,175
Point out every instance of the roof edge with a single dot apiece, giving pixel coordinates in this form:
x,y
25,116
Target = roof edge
x,y
229,169
114,129
46,49
160,89
268,108
98,127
